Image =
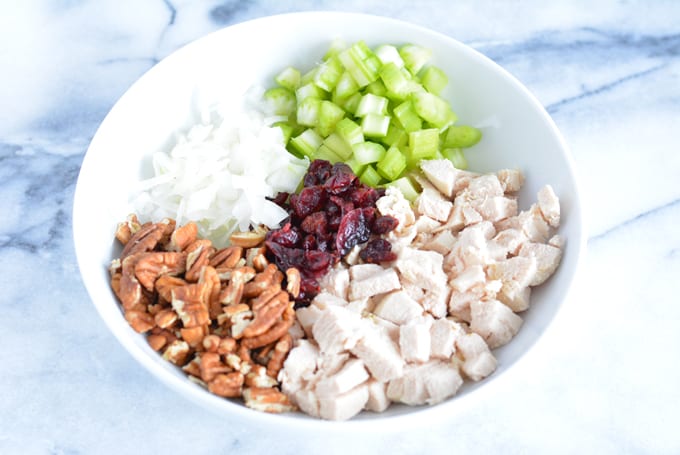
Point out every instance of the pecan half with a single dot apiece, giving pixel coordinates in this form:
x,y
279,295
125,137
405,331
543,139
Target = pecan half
x,y
145,239
198,255
191,304
150,266
281,350
267,400
226,258
267,315
248,239
183,236
227,385
126,229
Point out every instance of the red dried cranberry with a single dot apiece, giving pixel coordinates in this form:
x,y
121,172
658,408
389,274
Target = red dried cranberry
x,y
340,180
317,262
309,243
315,223
309,200
384,224
285,257
364,196
376,251
318,172
280,199
287,236
345,205
354,229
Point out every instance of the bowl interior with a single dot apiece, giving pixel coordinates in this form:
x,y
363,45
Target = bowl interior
x,y
220,67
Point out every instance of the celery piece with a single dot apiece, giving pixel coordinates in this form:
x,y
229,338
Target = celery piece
x,y
328,73
456,156
407,117
279,101
423,144
338,145
392,164
389,54
434,79
308,77
405,185
307,142
395,136
308,112
360,61
286,130
349,131
357,168
433,109
350,103
371,104
415,57
377,87
368,152
329,115
346,85
337,45
375,125
309,90
289,78
324,153
396,83
461,136
370,177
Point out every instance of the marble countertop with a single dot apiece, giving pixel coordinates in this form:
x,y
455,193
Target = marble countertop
x,y
604,379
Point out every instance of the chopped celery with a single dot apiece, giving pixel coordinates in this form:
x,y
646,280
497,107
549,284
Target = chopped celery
x,y
377,88
392,164
337,45
289,78
368,152
357,168
346,85
371,104
308,111
280,101
328,73
405,185
375,125
338,145
415,57
397,84
407,117
423,144
351,103
329,115
433,109
286,130
349,131
395,136
307,142
434,79
309,90
360,61
324,153
370,177
389,54
456,156
461,136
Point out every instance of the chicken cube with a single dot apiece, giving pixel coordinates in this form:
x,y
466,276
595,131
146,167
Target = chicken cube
x,y
468,278
494,321
424,268
363,271
441,174
443,335
380,354
547,259
435,300
393,203
414,340
377,396
307,316
549,205
478,361
350,375
385,281
497,208
307,401
442,242
299,366
336,282
344,406
430,202
398,307
429,383
511,180
337,329
521,269
324,299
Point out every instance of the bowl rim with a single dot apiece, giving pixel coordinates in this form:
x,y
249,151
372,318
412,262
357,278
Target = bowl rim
x,y
299,420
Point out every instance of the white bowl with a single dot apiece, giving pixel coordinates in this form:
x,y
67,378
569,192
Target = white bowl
x,y
517,133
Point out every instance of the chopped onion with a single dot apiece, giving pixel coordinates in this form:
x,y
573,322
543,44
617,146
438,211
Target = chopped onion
x,y
221,173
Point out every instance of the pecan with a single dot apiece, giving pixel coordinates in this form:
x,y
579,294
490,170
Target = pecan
x,y
281,350
267,399
145,239
115,282
227,385
239,322
267,278
193,367
257,377
198,255
234,290
260,262
226,258
177,352
129,289
140,321
150,266
156,341
293,281
261,300
191,304
127,228
209,275
165,284
273,334
211,365
168,228
165,318
248,239
267,315
252,253
183,236
194,335
227,346
211,342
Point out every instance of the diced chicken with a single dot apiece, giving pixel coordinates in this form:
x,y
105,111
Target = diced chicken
x,y
471,248
456,220
530,222
549,205
494,321
462,179
359,306
378,283
497,208
324,299
470,215
328,365
388,327
443,334
521,269
307,401
425,224
380,355
361,271
435,301
345,406
511,180
414,291
350,375
296,331
509,241
403,239
421,267
459,302
483,187
393,203
336,282
337,329
414,340
299,366
441,174
468,278
307,316
353,257
377,396
478,361
430,202
515,296
557,241
442,242
398,307
547,259
429,383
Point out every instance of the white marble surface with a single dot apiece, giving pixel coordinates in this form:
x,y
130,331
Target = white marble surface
x,y
605,379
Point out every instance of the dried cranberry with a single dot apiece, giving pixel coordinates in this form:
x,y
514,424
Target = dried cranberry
x,y
280,199
364,196
384,224
285,257
317,262
318,172
309,243
287,236
344,205
309,200
354,229
340,180
376,251
315,223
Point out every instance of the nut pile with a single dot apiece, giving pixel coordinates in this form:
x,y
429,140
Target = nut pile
x,y
222,315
